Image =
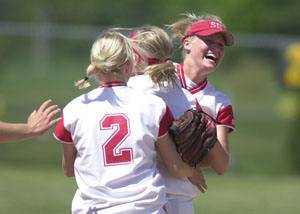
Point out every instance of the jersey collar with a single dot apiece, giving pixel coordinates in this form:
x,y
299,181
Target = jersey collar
x,y
112,84
183,79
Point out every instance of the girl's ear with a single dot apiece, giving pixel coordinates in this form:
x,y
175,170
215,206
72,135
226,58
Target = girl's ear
x,y
134,69
129,72
187,44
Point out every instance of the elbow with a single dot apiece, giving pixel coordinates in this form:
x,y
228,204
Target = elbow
x,y
220,165
222,170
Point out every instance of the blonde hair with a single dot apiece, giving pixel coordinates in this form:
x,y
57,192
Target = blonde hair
x,y
180,27
112,53
158,45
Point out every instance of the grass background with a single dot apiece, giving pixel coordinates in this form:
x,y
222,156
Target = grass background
x,y
262,177
45,190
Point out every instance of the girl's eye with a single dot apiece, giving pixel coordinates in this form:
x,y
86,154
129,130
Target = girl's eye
x,y
221,45
208,41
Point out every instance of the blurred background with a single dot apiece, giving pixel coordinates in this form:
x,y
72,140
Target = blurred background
x,y
45,47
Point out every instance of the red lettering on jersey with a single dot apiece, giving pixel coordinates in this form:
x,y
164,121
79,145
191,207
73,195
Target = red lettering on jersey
x,y
112,153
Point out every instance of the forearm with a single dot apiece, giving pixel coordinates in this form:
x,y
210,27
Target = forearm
x,y
217,159
37,123
14,132
68,159
68,168
171,158
181,169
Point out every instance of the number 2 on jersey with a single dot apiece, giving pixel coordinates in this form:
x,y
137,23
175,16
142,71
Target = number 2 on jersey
x,y
113,153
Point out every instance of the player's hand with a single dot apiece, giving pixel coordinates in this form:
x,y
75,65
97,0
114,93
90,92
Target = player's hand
x,y
198,180
42,120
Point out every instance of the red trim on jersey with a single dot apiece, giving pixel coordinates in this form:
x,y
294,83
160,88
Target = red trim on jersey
x,y
61,132
181,75
198,87
225,116
198,105
193,90
112,84
165,122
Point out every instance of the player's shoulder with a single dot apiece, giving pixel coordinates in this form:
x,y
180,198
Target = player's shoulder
x,y
213,90
82,99
220,96
143,97
140,82
148,97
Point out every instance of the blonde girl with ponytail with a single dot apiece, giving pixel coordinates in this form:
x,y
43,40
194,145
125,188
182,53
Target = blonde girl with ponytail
x,y
160,78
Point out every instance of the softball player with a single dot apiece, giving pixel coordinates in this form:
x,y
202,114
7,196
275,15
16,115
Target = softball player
x,y
110,136
204,39
37,124
160,79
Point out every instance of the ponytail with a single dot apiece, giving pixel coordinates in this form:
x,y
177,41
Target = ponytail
x,y
161,73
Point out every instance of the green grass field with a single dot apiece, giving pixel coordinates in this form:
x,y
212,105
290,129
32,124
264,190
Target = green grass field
x,y
31,190
250,194
261,178
35,190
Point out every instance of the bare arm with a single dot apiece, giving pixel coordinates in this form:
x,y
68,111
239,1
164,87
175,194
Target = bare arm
x,y
218,157
69,155
175,165
37,124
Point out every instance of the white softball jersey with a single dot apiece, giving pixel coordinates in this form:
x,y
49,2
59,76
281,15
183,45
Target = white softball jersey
x,y
114,129
179,100
211,100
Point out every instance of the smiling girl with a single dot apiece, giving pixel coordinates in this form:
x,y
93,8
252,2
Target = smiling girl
x,y
204,39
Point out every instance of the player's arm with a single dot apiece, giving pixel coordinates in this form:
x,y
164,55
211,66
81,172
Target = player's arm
x,y
173,162
13,132
37,123
69,155
218,157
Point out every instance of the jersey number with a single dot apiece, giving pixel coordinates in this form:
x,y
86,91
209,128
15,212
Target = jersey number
x,y
113,154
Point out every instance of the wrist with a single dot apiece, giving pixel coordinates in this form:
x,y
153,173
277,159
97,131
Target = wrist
x,y
29,130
